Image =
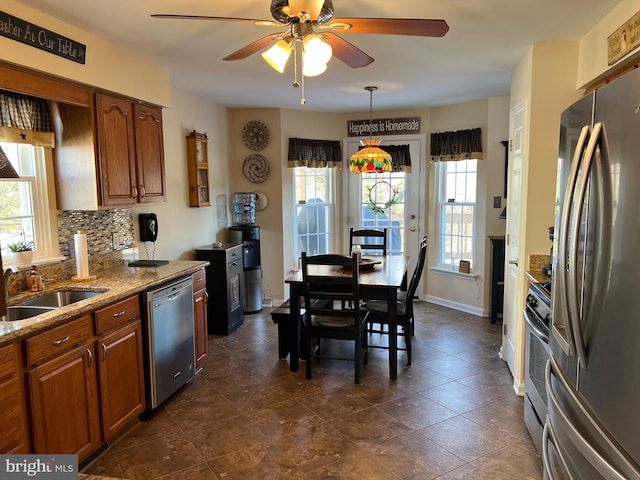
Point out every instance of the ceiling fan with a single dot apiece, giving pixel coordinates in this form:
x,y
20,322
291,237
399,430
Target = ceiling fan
x,y
301,16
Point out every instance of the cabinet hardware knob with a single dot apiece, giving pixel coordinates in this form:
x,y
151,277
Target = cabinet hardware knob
x,y
89,358
104,352
119,314
142,191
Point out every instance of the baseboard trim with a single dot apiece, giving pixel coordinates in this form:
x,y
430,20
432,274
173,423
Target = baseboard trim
x,y
480,312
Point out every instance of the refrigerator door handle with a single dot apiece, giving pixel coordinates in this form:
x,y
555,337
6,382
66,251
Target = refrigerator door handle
x,y
548,435
576,318
596,460
565,216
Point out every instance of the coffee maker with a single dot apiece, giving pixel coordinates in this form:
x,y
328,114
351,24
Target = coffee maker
x,y
547,269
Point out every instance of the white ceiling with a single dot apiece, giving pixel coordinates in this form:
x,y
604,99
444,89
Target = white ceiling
x,y
486,40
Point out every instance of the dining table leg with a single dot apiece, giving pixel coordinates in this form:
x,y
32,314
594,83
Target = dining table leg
x,y
392,310
294,310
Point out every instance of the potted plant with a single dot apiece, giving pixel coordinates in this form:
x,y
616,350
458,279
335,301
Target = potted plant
x,y
21,252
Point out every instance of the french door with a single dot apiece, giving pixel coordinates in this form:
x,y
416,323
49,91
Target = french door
x,y
393,200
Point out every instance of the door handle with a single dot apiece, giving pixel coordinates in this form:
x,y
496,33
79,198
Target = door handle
x,y
513,262
412,229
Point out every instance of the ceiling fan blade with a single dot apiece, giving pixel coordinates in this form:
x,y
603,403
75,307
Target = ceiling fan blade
x,y
312,7
269,23
347,52
252,48
393,26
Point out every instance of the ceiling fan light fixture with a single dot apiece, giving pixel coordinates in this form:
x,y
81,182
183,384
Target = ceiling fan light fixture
x,y
278,55
315,47
370,158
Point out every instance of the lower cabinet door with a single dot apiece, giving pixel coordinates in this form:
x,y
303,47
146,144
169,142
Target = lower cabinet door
x,y
13,438
200,319
64,404
121,376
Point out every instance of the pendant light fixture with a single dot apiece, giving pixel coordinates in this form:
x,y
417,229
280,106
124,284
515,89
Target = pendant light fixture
x,y
370,158
6,169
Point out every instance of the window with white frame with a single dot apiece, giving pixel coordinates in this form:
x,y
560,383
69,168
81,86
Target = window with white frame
x,y
457,187
24,210
313,210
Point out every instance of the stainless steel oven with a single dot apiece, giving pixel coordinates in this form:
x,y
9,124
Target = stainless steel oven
x,y
537,315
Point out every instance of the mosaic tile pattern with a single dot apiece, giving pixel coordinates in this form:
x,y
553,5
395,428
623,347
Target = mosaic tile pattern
x,y
99,226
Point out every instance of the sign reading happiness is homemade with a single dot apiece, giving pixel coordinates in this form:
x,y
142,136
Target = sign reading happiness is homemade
x,y
25,32
383,126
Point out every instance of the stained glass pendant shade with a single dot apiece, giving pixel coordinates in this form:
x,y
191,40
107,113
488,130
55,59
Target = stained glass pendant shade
x,y
370,158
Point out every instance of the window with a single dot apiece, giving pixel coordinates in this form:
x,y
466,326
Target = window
x,y
314,206
24,210
383,206
457,208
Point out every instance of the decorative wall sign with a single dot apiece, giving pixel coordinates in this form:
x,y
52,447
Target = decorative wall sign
x,y
256,168
383,126
25,32
624,40
255,135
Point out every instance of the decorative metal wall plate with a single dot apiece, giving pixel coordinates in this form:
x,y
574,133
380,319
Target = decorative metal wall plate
x,y
261,201
255,135
256,168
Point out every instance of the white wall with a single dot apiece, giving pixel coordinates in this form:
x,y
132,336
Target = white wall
x,y
592,58
107,66
182,228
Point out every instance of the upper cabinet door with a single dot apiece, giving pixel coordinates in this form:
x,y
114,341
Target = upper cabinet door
x,y
116,150
149,153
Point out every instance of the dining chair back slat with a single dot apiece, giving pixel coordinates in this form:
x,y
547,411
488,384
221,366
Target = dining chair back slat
x,y
371,240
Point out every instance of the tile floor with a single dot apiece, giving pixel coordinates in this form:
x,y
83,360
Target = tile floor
x,y
451,415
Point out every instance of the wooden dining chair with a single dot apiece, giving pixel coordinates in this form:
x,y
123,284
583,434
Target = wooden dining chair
x,y
378,312
371,240
328,280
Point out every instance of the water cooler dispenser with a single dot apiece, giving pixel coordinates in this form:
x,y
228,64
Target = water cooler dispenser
x,y
246,232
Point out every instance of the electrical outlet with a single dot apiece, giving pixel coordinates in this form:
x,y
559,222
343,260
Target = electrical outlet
x,y
115,240
497,202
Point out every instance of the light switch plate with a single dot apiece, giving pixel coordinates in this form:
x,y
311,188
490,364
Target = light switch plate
x,y
497,202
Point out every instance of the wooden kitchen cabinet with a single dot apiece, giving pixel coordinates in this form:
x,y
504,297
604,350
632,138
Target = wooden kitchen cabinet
x,y
14,435
65,413
120,365
121,377
116,150
200,298
198,167
149,153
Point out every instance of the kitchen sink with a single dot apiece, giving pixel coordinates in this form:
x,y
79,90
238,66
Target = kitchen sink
x,y
59,299
18,312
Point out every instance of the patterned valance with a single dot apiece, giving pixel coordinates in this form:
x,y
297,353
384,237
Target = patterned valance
x,y
304,152
400,157
25,119
454,146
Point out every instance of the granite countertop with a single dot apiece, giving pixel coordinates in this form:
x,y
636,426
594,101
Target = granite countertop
x,y
117,283
537,276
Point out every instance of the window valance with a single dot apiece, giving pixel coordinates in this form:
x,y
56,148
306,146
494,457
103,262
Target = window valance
x,y
454,146
309,153
400,157
25,119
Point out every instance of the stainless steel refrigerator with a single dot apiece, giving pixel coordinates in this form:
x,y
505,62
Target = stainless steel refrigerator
x,y
592,430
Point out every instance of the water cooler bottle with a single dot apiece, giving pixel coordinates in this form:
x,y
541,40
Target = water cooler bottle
x,y
246,232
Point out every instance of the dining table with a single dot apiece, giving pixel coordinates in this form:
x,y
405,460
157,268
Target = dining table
x,y
380,278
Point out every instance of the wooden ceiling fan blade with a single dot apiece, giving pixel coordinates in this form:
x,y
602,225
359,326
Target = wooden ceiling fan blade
x,y
269,23
312,7
393,26
252,48
347,52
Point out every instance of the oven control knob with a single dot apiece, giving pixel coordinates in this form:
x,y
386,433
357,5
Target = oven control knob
x,y
532,300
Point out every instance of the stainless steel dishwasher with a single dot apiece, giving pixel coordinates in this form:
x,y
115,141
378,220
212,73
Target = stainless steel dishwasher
x,y
170,344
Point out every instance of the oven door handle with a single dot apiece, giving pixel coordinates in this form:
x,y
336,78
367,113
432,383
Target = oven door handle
x,y
533,324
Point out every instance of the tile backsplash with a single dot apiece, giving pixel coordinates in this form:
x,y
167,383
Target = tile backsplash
x,y
99,226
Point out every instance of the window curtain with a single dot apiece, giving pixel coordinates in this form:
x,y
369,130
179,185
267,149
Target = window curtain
x,y
400,157
25,119
314,153
455,146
